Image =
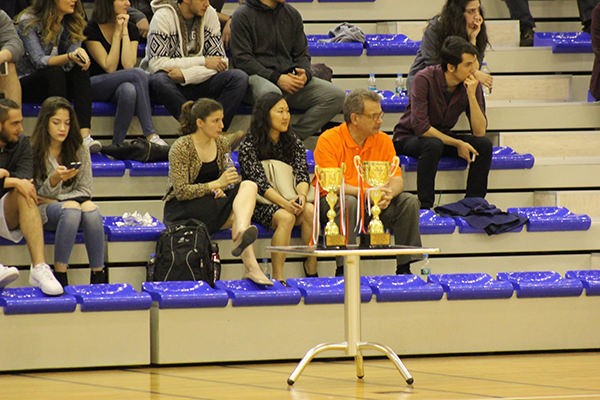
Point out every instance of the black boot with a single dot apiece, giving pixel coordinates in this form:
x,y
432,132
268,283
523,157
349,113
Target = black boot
x,y
526,36
61,277
403,269
315,275
98,277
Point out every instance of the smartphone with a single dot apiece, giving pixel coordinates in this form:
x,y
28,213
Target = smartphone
x,y
80,57
4,68
75,165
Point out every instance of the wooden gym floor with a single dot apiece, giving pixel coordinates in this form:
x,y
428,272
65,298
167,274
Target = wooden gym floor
x,y
517,377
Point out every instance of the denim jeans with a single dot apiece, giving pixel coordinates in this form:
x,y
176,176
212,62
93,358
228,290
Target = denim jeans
x,y
227,87
519,9
320,100
128,88
65,222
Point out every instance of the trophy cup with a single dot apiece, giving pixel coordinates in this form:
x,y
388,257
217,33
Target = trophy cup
x,y
376,174
330,180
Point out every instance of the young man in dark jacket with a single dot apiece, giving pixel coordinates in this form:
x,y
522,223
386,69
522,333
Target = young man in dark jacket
x,y
19,214
269,44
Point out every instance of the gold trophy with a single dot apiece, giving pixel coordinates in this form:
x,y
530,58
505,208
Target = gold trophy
x,y
330,180
376,174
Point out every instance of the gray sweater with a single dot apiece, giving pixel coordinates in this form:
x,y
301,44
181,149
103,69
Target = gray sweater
x,y
81,187
9,40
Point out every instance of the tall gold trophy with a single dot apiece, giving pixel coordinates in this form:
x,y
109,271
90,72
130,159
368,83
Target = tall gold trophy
x,y
376,174
330,180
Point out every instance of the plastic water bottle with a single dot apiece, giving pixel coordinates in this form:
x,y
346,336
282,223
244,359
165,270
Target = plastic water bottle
x,y
484,68
216,260
372,86
400,85
228,164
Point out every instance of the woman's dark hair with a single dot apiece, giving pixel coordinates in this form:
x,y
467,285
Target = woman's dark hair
x,y
260,127
194,110
45,14
452,22
40,139
104,11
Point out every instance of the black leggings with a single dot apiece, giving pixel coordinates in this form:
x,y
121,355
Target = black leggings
x,y
73,85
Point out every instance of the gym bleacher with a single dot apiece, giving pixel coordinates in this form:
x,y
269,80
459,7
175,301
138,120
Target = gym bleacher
x,y
525,290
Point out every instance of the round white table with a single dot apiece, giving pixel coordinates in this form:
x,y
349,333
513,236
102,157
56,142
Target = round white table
x,y
353,345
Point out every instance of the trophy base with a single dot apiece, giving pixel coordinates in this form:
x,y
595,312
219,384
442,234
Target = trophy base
x,y
375,240
335,241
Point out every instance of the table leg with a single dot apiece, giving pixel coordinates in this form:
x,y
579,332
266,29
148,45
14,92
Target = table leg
x,y
391,355
352,303
310,354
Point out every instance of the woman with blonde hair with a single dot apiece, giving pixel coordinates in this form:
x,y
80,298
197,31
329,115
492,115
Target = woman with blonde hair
x,y
202,188
55,64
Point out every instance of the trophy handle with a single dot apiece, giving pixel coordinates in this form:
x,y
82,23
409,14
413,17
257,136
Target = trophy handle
x,y
357,161
343,166
395,165
317,170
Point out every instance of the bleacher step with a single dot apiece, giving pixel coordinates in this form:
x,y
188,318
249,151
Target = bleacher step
x,y
555,146
578,202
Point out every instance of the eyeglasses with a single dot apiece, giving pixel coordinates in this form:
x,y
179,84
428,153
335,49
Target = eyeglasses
x,y
375,117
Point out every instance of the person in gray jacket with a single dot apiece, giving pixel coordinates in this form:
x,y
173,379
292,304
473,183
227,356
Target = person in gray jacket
x,y
269,44
62,172
11,50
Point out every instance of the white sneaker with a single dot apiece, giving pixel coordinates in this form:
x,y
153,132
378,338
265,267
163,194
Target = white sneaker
x,y
93,145
41,275
7,275
157,140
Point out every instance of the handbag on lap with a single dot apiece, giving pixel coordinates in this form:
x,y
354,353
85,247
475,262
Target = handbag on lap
x,y
282,178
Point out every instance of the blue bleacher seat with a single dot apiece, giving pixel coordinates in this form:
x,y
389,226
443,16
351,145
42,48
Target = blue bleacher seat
x,y
318,49
137,168
246,293
109,297
564,42
502,158
115,233
390,45
103,166
31,300
543,219
472,286
263,233
185,294
506,158
345,1
542,284
403,288
445,164
327,290
392,103
431,223
589,278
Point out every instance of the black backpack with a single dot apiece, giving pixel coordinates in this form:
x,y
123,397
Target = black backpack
x,y
184,252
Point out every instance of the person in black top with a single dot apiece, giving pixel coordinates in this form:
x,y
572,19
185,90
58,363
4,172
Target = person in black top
x,y
112,43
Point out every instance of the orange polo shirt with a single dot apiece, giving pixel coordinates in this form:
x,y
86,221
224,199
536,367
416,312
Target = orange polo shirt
x,y
335,146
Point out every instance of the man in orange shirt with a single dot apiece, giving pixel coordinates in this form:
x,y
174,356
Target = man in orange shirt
x,y
360,135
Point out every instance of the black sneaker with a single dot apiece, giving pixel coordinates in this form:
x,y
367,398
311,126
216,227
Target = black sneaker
x,y
61,277
587,26
98,277
526,36
403,269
